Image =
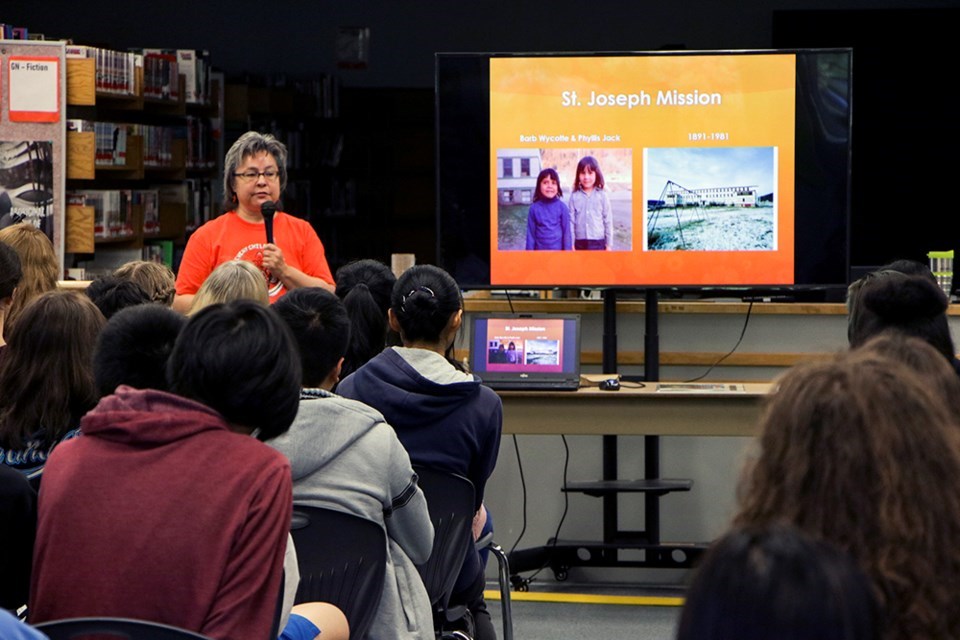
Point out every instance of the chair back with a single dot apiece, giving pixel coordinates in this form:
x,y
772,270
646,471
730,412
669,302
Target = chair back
x,y
450,501
125,628
342,560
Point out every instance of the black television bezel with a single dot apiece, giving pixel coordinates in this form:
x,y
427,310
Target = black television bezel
x,y
478,173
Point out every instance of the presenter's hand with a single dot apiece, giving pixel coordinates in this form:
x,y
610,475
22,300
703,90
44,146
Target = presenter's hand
x,y
273,260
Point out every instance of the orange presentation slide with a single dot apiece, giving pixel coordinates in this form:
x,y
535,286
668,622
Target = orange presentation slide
x,y
660,170
525,344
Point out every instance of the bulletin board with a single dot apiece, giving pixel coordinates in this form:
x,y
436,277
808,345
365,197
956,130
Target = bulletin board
x,y
33,136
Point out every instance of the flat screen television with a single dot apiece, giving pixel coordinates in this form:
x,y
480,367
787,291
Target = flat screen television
x,y
719,169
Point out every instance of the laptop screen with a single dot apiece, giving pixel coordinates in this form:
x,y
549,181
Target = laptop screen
x,y
526,350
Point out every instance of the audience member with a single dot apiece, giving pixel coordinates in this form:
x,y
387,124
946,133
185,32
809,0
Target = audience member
x,y
153,277
10,274
38,260
191,514
134,347
112,294
47,378
18,513
923,359
445,418
232,280
133,350
365,286
344,456
775,583
861,452
912,304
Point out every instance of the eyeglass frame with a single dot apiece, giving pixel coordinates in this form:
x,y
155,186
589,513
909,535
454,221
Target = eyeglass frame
x,y
248,176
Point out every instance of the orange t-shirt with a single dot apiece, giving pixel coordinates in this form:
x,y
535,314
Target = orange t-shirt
x,y
230,237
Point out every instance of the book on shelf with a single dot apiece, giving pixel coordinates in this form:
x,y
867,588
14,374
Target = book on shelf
x,y
110,143
115,70
157,144
196,194
112,211
80,126
194,66
149,199
76,51
199,134
161,74
160,251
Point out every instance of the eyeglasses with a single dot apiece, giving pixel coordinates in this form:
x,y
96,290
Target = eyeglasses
x,y
253,174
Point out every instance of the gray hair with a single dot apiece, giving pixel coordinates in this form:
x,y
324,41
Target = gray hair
x,y
250,144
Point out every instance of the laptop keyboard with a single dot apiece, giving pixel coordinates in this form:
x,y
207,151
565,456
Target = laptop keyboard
x,y
557,385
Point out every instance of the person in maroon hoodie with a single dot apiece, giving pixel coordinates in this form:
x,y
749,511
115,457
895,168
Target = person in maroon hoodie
x,y
167,509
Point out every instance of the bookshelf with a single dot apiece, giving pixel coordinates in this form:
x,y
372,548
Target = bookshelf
x,y
141,160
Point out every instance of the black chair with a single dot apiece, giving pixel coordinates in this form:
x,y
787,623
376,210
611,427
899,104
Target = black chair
x,y
342,560
127,628
450,500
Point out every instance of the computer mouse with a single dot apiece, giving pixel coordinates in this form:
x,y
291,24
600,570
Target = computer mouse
x,y
610,385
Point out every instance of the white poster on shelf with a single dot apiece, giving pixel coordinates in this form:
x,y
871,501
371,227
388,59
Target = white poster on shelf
x,y
33,88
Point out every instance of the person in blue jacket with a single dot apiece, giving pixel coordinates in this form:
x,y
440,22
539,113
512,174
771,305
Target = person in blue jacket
x,y
444,417
548,221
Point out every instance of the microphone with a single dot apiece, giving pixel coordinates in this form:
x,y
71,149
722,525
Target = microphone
x,y
268,209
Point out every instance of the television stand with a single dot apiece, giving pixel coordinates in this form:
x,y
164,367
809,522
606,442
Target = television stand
x,y
561,555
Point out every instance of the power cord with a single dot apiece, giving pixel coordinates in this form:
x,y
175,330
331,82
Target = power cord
x,y
743,332
566,507
523,490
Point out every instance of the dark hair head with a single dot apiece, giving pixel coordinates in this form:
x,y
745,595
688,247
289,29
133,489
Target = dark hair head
x,y
861,452
910,268
10,272
365,286
134,347
776,582
423,301
913,305
112,294
591,163
250,144
46,372
547,173
320,327
240,360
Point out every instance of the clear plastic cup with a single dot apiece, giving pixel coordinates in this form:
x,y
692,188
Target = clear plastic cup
x,y
941,264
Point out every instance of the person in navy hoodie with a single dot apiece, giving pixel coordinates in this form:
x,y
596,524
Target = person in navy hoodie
x,y
548,221
443,416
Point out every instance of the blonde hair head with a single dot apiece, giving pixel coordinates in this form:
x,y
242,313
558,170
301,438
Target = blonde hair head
x,y
38,260
232,280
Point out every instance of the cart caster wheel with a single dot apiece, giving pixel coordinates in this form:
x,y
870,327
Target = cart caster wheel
x,y
560,575
520,584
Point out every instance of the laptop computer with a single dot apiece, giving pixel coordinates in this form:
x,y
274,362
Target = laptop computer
x,y
526,352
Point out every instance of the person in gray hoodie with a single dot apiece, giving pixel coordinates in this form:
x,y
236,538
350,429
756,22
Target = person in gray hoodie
x,y
345,456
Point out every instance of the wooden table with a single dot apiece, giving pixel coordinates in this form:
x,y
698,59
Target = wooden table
x,y
630,411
